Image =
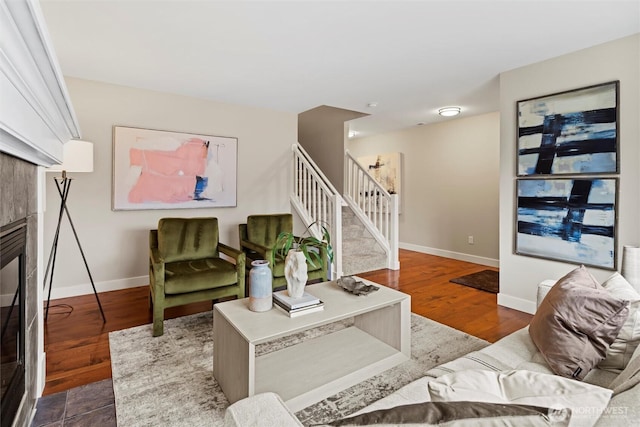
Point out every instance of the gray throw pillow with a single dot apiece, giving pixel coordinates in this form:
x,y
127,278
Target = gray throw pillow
x,y
576,323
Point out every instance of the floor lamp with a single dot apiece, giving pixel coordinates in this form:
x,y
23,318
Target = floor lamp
x,y
631,265
77,157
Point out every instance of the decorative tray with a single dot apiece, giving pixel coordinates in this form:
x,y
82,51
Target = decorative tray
x,y
354,286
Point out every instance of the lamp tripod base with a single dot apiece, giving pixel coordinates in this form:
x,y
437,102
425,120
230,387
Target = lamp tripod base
x,y
64,184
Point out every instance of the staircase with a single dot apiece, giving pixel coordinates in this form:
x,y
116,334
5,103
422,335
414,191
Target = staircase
x,y
363,223
360,250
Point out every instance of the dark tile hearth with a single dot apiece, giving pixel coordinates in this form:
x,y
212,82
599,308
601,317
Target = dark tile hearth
x,y
85,406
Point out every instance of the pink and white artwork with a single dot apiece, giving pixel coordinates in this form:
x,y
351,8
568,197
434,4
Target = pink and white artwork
x,y
155,169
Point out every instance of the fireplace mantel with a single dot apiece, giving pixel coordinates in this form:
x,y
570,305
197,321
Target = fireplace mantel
x,y
36,115
36,120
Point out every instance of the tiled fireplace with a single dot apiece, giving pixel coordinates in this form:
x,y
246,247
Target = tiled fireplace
x,y
18,255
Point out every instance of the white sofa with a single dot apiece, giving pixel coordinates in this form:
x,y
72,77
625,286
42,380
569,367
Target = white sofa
x,y
514,352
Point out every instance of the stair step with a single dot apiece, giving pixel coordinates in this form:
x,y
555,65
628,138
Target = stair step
x,y
354,233
360,246
361,264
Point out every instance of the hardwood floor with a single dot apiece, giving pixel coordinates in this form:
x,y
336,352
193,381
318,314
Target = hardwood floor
x,y
77,341
426,279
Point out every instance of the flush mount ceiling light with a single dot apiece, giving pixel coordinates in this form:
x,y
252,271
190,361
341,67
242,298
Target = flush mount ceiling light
x,y
449,111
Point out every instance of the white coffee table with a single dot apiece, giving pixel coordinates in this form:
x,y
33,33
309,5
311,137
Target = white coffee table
x,y
317,368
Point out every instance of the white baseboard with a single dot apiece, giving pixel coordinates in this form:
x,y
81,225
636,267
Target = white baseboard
x,y
517,303
42,360
106,286
450,254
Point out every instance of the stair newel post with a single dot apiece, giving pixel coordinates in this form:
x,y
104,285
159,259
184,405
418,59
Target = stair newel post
x,y
347,169
394,260
336,242
295,182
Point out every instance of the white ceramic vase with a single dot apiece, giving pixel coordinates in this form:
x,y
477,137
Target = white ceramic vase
x,y
295,271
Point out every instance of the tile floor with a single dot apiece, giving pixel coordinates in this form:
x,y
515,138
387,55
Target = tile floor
x,y
89,405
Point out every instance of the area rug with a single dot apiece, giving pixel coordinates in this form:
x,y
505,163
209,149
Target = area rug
x,y
168,380
485,280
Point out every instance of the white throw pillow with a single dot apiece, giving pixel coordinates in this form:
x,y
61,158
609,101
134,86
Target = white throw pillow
x,y
586,401
620,351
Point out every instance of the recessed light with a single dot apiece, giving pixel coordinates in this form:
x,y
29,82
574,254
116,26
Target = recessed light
x,y
372,104
449,111
352,134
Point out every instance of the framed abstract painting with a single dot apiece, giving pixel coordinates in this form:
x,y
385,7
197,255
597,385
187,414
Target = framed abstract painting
x,y
155,169
572,220
386,169
569,133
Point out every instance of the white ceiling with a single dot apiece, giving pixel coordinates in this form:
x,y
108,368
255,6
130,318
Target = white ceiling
x,y
410,57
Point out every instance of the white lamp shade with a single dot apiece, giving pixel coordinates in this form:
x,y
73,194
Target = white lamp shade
x,y
77,156
631,265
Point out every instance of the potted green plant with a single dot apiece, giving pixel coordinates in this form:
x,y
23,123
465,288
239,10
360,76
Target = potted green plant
x,y
297,250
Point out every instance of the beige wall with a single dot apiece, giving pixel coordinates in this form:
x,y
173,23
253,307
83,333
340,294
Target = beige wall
x,y
450,185
322,132
617,60
116,243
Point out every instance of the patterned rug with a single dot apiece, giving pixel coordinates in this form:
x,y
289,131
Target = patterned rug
x,y
168,380
485,280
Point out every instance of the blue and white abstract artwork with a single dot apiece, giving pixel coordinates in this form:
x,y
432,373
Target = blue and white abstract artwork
x,y
571,220
573,132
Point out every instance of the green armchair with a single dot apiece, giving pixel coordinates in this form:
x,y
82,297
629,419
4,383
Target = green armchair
x,y
258,237
185,266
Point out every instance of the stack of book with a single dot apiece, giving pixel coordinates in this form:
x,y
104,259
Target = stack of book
x,y
294,307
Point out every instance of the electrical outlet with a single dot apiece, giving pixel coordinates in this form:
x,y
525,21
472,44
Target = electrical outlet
x,y
470,240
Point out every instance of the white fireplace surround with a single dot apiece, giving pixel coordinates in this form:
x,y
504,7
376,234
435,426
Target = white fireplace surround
x,y
36,115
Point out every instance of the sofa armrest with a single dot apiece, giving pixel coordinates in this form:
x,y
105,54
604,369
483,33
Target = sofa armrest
x,y
240,260
239,257
260,410
154,256
543,289
231,252
156,262
262,250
